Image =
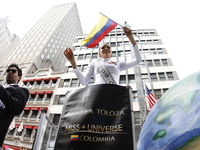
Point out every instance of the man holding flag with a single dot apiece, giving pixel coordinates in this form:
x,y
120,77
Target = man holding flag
x,y
104,71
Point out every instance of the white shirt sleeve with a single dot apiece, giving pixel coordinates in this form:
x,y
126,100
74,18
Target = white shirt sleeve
x,y
86,77
136,58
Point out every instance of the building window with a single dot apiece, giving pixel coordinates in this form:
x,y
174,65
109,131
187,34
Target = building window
x,y
34,114
170,76
149,63
122,79
61,99
32,96
162,76
84,68
46,82
48,97
70,69
54,80
131,78
38,82
157,62
56,119
74,83
94,56
158,93
145,77
11,132
137,117
164,62
66,83
135,96
87,56
27,135
153,77
25,115
80,57
40,96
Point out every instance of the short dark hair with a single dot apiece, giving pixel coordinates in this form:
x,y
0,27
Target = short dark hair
x,y
18,69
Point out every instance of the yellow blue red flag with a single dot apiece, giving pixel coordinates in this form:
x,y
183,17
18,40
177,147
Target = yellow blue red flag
x,y
102,28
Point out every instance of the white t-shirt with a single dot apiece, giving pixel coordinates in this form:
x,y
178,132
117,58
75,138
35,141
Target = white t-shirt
x,y
113,67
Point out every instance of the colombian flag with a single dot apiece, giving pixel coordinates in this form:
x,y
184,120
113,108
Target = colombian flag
x,y
74,137
7,148
102,28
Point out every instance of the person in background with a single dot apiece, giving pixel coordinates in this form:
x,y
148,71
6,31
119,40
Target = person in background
x,y
105,54
12,99
23,147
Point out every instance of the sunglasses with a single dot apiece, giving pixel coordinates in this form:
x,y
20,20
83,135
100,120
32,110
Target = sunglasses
x,y
12,70
108,47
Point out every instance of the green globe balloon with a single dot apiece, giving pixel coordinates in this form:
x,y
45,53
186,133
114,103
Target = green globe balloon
x,y
174,121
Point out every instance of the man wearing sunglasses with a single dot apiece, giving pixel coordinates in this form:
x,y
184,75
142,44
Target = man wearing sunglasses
x,y
12,99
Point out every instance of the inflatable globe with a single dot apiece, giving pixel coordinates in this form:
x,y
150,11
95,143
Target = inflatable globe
x,y
174,122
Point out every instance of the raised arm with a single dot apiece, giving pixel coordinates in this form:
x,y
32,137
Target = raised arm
x,y
129,34
134,49
83,78
70,56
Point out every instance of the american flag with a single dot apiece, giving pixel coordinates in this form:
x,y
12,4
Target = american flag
x,y
150,99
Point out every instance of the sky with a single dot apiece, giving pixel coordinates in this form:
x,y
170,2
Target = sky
x,y
176,21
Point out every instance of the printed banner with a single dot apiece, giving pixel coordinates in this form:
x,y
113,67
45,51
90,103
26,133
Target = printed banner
x,y
96,118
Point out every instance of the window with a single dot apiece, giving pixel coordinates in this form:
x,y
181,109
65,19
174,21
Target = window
x,y
38,82
149,63
160,51
122,79
135,96
94,56
46,82
49,94
84,68
162,76
56,119
32,96
34,114
25,115
158,93
137,117
131,78
11,132
157,62
153,77
66,83
170,76
27,135
74,83
153,51
30,83
145,77
70,69
40,96
61,99
164,62
54,80
87,56
80,57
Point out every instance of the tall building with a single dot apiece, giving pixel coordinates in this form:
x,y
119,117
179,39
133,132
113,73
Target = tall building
x,y
8,41
5,36
48,77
